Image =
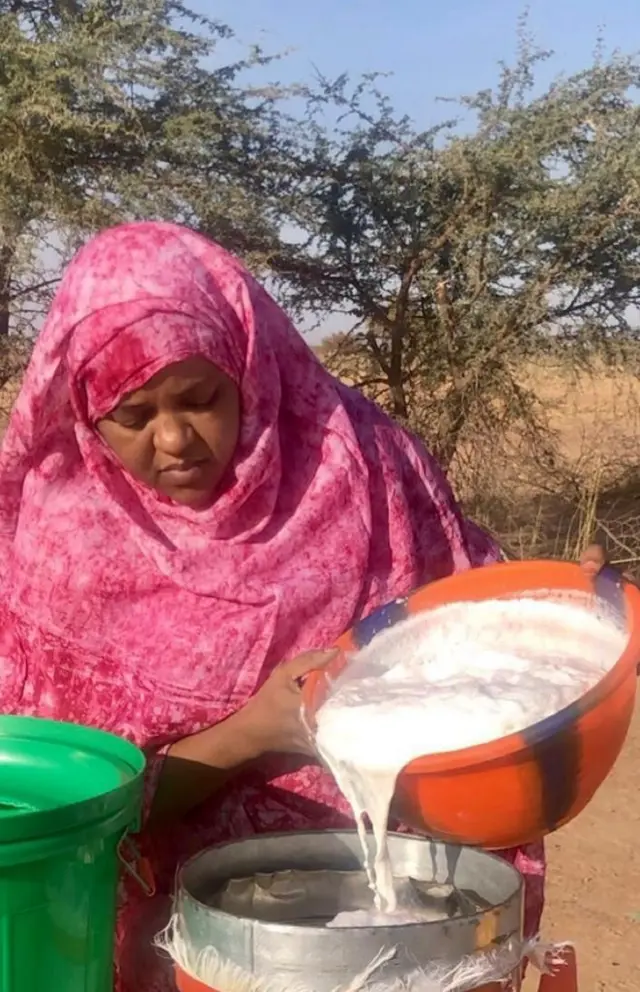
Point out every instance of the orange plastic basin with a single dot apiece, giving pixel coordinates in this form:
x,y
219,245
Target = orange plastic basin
x,y
517,789
185,983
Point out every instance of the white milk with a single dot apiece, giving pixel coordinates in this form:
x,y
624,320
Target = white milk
x,y
461,675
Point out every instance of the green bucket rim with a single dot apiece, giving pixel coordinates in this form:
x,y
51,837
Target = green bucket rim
x,y
32,825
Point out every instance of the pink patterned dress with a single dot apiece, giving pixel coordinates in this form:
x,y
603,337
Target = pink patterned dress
x,y
126,612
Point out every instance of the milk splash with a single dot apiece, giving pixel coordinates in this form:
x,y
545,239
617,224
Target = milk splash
x,y
454,677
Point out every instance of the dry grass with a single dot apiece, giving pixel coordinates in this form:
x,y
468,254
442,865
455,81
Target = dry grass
x,y
587,487
8,394
548,492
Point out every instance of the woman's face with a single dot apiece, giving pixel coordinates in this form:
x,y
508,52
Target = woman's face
x,y
179,431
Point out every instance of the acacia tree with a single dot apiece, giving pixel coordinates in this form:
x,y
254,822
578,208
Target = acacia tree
x,y
456,256
110,109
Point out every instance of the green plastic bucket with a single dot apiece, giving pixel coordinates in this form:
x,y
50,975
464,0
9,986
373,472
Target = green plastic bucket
x,y
68,797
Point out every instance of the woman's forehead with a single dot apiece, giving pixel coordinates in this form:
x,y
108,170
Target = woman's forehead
x,y
177,378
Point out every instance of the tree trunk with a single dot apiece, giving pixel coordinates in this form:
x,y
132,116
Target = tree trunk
x,y
396,370
450,425
453,415
6,258
398,400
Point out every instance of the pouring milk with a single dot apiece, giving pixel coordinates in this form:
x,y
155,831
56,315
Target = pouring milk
x,y
451,678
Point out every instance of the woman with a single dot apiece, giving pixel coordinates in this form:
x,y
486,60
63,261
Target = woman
x,y
189,503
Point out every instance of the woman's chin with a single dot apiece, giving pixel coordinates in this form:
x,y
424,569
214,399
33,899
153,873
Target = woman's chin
x,y
195,499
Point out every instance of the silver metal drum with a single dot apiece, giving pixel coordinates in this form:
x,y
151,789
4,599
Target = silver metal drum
x,y
264,904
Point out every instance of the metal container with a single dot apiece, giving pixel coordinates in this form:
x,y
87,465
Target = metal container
x,y
264,903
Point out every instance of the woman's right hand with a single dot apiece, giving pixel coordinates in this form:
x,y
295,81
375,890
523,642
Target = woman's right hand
x,y
198,766
272,718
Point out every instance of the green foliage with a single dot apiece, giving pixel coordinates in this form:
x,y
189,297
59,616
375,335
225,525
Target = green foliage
x,y
111,110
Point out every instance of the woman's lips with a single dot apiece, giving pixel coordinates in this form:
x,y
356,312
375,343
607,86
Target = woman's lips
x,y
184,473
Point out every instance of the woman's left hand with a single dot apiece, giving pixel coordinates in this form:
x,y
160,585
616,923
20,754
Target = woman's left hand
x,y
594,559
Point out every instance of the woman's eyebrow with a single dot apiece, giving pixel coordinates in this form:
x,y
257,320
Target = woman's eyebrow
x,y
139,399
133,403
190,387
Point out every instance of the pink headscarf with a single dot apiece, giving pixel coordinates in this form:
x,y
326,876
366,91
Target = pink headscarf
x,y
153,620
332,510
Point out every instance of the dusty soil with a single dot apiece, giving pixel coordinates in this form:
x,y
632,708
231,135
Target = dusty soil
x,y
594,881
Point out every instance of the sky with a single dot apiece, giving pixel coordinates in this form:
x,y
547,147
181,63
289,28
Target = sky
x,y
432,49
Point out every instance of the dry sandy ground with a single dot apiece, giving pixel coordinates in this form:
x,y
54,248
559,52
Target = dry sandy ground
x,y
594,881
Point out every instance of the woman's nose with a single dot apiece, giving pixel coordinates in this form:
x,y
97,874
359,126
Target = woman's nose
x,y
173,434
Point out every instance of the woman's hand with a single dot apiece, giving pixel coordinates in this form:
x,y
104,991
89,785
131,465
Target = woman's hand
x,y
594,559
272,718
198,766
